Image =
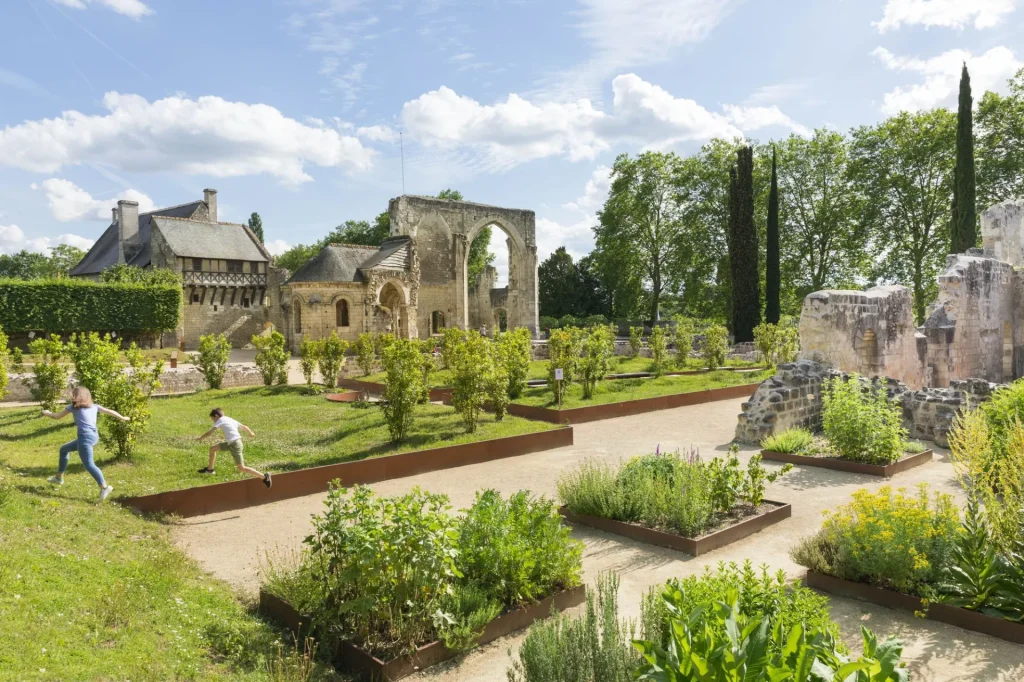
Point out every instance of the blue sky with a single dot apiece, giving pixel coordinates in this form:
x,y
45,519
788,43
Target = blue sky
x,y
292,108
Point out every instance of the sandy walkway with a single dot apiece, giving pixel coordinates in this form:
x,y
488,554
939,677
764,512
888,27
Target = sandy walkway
x,y
230,545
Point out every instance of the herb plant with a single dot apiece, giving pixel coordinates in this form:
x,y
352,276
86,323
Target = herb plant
x,y
861,425
790,441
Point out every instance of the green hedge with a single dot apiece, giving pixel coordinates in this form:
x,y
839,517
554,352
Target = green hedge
x,y
70,305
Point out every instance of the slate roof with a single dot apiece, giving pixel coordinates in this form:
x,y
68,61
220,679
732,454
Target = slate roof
x,y
103,253
199,239
346,262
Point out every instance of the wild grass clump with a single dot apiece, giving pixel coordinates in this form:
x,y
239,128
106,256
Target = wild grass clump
x,y
790,441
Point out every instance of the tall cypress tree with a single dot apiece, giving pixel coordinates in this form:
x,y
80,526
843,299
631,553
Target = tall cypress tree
x,y
743,253
772,276
964,232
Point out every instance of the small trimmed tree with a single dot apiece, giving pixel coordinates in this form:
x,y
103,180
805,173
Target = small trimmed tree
x,y
452,337
212,358
636,341
471,365
513,351
498,383
272,358
332,357
766,341
402,389
97,360
658,341
428,366
365,353
682,337
716,346
309,358
128,393
597,349
50,371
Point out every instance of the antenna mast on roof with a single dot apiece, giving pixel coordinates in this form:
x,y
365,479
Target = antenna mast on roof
x,y
401,146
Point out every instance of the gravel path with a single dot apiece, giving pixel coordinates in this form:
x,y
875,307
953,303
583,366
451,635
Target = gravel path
x,y
230,545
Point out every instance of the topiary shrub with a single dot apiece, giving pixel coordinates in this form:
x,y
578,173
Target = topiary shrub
x,y
309,358
716,345
471,366
332,357
212,358
365,353
402,387
272,358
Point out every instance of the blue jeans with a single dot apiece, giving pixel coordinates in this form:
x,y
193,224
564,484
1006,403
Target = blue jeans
x,y
84,446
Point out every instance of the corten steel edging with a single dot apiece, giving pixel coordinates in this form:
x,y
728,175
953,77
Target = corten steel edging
x,y
355,660
344,396
436,394
220,497
694,546
581,415
837,464
942,613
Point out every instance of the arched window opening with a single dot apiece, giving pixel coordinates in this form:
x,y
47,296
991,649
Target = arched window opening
x,y
297,304
341,313
436,322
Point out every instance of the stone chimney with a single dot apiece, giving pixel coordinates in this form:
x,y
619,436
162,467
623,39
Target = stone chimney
x,y
210,197
127,214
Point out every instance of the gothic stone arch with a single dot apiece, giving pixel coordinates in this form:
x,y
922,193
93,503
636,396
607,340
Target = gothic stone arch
x,y
442,232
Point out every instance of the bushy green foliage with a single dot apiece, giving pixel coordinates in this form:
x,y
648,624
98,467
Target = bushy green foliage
x,y
678,492
402,389
594,647
776,344
97,360
1003,408
788,346
212,358
3,363
128,393
716,346
682,337
514,350
472,367
517,549
547,323
659,347
450,340
50,372
133,274
564,348
73,305
790,441
332,357
594,321
365,352
497,383
272,358
309,358
862,425
597,348
636,341
891,539
568,321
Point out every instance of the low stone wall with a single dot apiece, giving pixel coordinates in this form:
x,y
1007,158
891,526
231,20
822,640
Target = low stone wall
x,y
793,398
173,381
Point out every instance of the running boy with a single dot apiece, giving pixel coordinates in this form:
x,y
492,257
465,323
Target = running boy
x,y
85,413
232,442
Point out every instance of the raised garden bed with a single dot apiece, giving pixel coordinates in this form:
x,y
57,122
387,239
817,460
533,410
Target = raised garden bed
x,y
344,397
942,613
354,660
694,546
837,464
581,415
436,394
220,497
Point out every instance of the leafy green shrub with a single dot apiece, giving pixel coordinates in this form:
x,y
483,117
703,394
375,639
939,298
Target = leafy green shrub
x,y
766,341
569,321
97,360
514,351
716,346
497,383
597,348
682,337
636,341
50,372
402,388
75,305
1002,410
564,348
3,363
272,358
594,321
592,648
128,392
471,366
450,340
309,358
133,274
332,357
365,353
889,539
517,549
788,346
547,323
212,358
861,426
17,359
790,441
659,345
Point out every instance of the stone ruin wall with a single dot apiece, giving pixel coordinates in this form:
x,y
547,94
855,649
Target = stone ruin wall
x,y
792,398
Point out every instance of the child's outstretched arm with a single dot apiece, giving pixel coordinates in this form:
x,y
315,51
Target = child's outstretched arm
x,y
248,430
56,415
112,413
207,434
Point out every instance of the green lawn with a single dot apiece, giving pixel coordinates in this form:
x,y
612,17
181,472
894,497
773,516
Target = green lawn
x,y
293,431
620,390
94,592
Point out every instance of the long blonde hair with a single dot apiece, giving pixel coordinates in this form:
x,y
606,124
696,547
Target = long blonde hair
x,y
81,397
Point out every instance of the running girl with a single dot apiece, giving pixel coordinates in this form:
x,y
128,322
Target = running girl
x,y
84,412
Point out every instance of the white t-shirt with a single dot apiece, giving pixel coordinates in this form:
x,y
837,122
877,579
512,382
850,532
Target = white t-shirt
x,y
229,427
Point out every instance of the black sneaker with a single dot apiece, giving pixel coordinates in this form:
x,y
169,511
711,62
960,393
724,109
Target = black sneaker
x,y
266,480
206,470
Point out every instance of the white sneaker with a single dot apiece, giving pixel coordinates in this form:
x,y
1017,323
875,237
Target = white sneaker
x,y
56,480
105,492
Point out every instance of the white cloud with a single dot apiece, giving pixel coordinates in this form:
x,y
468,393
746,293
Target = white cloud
x,y
69,202
517,130
941,77
576,235
208,135
594,193
13,240
130,8
377,133
944,13
277,246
